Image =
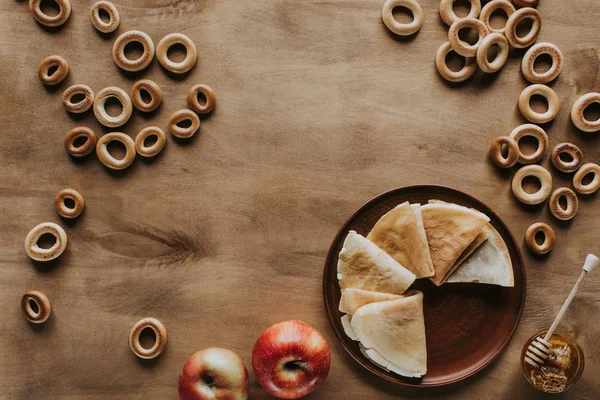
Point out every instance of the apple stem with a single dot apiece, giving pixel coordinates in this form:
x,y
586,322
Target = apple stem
x,y
303,365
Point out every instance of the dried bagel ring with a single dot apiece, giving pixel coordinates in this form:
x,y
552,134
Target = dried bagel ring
x,y
399,28
490,8
578,109
526,3
547,232
143,61
86,147
571,200
181,116
61,207
35,252
512,155
567,166
153,91
51,20
511,27
449,16
586,169
486,44
154,149
534,52
537,172
548,94
176,67
81,106
209,97
113,16
538,134
461,47
100,102
159,345
53,70
453,76
39,301
107,159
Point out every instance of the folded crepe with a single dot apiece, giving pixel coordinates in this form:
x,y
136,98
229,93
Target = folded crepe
x,y
401,234
363,265
450,229
489,263
392,334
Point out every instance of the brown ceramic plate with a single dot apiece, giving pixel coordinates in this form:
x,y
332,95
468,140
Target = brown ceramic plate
x,y
467,325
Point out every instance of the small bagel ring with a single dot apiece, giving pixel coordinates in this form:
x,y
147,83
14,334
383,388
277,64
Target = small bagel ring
x,y
159,345
180,116
549,237
572,204
125,63
453,76
86,148
484,48
532,131
55,20
537,172
463,48
396,27
496,152
152,89
511,27
35,252
589,168
100,111
61,207
567,166
449,16
534,52
548,94
150,151
113,16
107,159
62,70
176,67
44,308
83,105
577,113
209,95
526,3
490,8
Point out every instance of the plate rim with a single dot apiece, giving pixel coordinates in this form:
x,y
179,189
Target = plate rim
x,y
376,370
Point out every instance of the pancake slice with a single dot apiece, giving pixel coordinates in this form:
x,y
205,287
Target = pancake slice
x,y
353,299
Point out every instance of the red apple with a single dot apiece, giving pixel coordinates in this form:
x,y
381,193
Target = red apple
x,y
214,373
290,359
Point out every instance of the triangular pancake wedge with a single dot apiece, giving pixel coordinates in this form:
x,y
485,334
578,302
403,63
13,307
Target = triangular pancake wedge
x,y
490,263
450,229
393,334
401,234
363,265
353,299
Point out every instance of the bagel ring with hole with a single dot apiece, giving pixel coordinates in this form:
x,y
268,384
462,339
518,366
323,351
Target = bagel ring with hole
x,y
50,62
107,159
35,252
548,242
159,345
81,106
578,109
567,167
44,308
194,103
143,61
461,47
511,27
100,106
564,214
176,67
61,206
399,28
490,8
527,65
526,3
449,16
180,116
86,148
589,168
548,94
535,171
512,155
538,134
153,91
453,76
113,16
484,48
51,20
154,149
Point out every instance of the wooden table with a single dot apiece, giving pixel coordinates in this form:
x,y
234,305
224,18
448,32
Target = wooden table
x,y
319,109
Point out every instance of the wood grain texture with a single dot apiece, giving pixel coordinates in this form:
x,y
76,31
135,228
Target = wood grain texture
x,y
319,109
